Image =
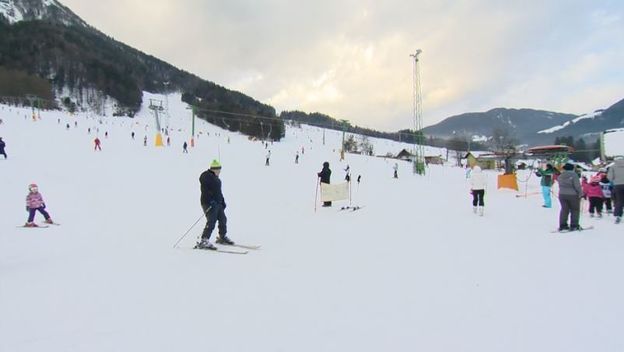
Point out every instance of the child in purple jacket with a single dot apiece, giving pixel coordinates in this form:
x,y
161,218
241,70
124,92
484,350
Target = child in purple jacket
x,y
34,203
593,191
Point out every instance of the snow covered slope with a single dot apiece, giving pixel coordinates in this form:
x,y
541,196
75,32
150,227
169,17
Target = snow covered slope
x,y
413,270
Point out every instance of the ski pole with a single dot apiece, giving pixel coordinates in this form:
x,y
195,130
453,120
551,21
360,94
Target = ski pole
x,y
318,182
189,230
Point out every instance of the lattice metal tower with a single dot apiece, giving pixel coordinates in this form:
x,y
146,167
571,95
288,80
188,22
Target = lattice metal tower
x,y
157,107
419,149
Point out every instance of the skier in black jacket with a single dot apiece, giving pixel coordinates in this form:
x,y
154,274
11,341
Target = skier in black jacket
x,y
213,204
325,175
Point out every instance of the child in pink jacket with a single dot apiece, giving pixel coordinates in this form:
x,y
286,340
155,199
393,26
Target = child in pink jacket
x,y
593,191
34,203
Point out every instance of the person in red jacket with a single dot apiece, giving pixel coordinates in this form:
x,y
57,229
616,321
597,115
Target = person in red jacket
x,y
97,144
593,191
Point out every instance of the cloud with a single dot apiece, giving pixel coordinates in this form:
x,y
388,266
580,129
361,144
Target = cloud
x,y
350,59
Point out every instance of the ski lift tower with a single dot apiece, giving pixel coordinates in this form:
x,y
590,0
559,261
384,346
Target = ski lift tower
x,y
419,149
156,106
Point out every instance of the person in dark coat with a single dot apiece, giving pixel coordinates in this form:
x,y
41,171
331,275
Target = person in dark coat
x,y
213,205
2,146
570,194
325,175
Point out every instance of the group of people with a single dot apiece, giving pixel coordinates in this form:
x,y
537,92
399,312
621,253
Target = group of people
x,y
598,190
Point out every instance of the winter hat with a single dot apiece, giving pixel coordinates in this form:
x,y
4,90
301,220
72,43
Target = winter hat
x,y
568,167
326,164
215,165
32,186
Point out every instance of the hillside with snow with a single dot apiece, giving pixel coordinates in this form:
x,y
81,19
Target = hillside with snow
x,y
413,270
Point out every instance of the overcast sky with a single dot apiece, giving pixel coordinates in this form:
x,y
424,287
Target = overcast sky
x,y
351,58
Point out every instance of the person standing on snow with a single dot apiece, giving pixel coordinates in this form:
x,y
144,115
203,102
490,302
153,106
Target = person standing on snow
x,y
268,158
97,144
570,194
325,176
607,189
593,191
34,203
396,170
184,146
547,176
616,175
478,182
213,205
2,146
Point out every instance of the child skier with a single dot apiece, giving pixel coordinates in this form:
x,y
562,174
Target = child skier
x,y
606,187
34,203
593,191
477,189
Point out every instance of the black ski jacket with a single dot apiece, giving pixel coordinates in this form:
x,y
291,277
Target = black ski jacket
x,y
325,174
210,189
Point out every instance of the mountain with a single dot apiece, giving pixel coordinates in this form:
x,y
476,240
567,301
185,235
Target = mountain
x,y
30,10
590,125
86,69
523,124
529,126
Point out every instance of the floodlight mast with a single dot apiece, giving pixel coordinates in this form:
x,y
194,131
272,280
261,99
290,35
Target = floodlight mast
x,y
419,149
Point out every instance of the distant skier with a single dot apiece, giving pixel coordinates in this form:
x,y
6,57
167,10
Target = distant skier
x,y
325,176
145,141
184,147
132,135
297,158
359,179
34,203
213,205
168,141
2,146
106,134
268,158
396,170
547,174
478,183
570,194
616,175
97,144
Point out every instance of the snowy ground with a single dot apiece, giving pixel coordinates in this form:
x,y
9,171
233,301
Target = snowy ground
x,y
414,270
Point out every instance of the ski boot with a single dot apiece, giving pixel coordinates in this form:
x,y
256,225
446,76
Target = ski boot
x,y
618,219
205,244
49,221
223,239
30,224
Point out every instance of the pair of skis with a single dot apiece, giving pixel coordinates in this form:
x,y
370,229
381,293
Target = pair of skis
x,y
244,249
579,230
43,226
